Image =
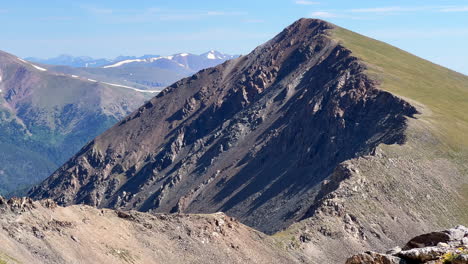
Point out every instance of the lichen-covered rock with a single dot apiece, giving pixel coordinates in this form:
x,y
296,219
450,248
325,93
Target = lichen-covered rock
x,y
423,254
446,246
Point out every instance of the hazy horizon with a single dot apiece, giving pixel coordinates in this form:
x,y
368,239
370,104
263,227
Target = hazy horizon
x,y
434,30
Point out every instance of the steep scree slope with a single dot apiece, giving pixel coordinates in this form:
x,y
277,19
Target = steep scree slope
x,y
255,137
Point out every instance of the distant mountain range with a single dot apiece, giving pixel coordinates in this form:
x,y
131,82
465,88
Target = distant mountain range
x,y
145,72
46,117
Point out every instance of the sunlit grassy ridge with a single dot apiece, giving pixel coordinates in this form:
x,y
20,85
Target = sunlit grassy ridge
x,y
442,91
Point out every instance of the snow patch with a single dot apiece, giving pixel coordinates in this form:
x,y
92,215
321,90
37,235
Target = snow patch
x,y
91,80
74,76
39,68
184,54
120,63
211,56
135,89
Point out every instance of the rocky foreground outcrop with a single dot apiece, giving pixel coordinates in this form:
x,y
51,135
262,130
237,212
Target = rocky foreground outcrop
x,y
42,232
448,246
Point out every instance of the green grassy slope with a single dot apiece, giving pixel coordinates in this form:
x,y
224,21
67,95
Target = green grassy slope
x,y
443,92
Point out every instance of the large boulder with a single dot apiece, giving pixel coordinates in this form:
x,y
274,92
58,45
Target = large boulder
x,y
448,246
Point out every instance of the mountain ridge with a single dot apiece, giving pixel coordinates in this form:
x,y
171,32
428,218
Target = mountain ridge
x,y
328,137
148,72
89,62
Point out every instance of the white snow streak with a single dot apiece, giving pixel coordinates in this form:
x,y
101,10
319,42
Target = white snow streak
x,y
120,63
135,89
39,68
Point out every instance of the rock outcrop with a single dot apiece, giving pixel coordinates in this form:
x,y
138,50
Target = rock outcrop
x,y
448,246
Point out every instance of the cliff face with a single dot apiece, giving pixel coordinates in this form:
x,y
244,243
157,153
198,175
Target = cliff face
x,y
256,137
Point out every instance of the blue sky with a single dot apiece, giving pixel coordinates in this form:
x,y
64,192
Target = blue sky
x,y
435,30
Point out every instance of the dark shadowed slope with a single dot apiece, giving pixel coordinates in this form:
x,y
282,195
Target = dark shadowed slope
x,y
45,118
254,137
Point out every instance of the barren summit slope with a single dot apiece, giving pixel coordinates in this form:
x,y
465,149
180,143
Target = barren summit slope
x,y
41,232
255,137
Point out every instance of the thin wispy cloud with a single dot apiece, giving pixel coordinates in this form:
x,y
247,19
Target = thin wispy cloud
x,y
363,13
180,15
156,14
98,11
417,33
56,18
385,9
323,14
305,2
455,9
253,21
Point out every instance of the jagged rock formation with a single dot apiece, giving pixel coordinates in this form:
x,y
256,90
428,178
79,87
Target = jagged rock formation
x,y
347,142
255,136
42,232
448,246
45,118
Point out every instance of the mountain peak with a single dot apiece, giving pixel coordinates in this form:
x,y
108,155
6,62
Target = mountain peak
x,y
241,136
317,131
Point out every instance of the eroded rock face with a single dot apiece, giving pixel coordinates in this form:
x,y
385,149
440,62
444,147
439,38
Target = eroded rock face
x,y
446,246
256,137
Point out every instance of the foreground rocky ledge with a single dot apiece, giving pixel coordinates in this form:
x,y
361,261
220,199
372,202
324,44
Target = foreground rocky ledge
x,y
43,232
448,246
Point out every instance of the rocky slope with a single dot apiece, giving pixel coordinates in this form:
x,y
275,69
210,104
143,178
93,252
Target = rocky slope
x,y
42,232
347,142
45,118
448,246
255,136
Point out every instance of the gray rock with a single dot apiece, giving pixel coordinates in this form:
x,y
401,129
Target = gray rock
x,y
374,258
465,241
422,254
457,233
427,240
442,244
394,251
461,259
451,236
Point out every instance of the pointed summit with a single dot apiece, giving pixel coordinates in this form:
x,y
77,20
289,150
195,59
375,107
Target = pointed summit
x,y
307,130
